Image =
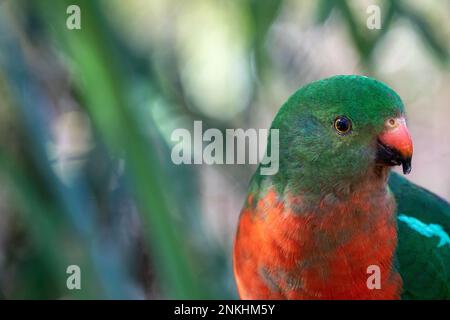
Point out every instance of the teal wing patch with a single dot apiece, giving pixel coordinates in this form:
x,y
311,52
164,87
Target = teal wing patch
x,y
430,230
424,259
417,202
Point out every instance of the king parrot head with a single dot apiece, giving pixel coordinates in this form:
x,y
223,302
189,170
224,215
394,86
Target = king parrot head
x,y
339,129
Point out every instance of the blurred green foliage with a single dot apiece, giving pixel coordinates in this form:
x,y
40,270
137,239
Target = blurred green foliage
x,y
125,214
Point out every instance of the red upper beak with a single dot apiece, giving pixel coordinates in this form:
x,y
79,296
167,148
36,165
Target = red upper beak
x,y
395,144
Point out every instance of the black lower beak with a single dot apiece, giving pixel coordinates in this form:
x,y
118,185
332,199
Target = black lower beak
x,y
391,157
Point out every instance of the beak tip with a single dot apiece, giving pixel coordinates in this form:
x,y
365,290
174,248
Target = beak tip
x,y
406,165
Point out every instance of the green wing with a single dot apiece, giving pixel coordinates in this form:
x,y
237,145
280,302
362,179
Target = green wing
x,y
423,240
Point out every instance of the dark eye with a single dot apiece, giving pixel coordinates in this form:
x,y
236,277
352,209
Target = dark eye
x,y
343,125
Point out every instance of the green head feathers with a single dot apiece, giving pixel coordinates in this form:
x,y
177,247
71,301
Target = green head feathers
x,y
314,154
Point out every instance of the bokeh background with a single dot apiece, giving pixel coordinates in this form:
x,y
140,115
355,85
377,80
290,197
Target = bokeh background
x,y
86,117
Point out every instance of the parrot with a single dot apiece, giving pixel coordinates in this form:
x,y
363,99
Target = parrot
x,y
336,222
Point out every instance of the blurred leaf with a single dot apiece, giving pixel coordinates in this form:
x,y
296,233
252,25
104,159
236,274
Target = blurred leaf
x,y
105,101
324,9
425,31
261,16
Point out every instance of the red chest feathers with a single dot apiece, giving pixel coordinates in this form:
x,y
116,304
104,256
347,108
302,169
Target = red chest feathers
x,y
339,250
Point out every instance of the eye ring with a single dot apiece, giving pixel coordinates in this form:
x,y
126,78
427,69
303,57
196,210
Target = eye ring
x,y
391,122
342,125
